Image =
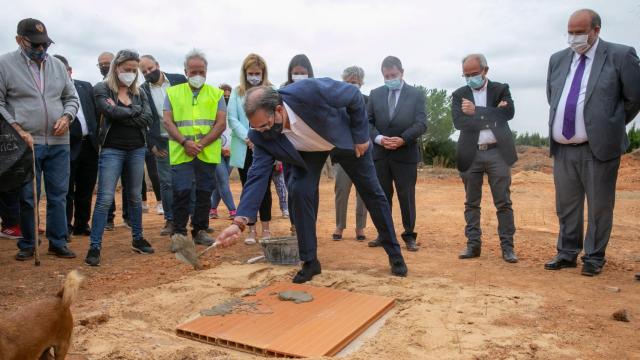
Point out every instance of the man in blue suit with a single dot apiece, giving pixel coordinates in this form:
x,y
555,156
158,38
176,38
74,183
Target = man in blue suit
x,y
300,125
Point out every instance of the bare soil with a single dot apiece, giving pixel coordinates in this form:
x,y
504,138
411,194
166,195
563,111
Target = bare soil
x,y
446,308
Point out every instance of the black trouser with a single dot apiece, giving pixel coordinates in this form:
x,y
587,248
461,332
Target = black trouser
x,y
265,205
83,173
404,177
10,208
152,171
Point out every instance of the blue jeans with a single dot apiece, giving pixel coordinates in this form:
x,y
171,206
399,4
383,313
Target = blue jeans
x,y
166,190
110,165
222,186
52,161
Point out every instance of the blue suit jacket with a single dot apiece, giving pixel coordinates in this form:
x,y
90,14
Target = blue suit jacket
x,y
335,110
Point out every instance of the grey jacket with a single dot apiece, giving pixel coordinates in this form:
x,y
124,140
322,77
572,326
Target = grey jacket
x,y
612,99
21,101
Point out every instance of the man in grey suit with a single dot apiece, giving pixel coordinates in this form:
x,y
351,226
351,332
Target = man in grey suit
x,y
398,118
593,89
481,111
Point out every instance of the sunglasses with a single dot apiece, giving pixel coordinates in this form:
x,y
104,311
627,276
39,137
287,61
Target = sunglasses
x,y
35,45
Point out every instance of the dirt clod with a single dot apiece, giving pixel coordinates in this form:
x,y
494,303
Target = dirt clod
x,y
621,315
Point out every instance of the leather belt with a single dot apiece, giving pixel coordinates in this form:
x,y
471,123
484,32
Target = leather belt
x,y
485,147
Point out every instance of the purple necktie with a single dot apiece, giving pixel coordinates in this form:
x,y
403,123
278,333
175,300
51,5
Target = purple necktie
x,y
569,123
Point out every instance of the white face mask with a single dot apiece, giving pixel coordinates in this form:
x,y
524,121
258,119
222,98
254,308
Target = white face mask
x,y
127,78
254,79
579,43
299,77
197,81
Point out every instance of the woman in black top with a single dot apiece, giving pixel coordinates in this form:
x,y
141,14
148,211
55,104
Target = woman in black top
x,y
124,115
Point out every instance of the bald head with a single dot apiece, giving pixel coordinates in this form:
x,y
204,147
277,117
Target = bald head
x,y
586,16
583,23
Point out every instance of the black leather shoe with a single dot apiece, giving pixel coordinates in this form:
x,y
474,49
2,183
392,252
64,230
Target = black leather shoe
x,y
398,266
336,237
93,257
61,252
24,254
589,269
84,231
638,276
469,252
308,271
411,245
509,256
558,263
375,243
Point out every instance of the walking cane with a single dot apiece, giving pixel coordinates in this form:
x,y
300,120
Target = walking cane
x,y
35,210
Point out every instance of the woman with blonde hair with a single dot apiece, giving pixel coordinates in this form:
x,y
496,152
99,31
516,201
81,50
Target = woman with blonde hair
x,y
124,115
252,73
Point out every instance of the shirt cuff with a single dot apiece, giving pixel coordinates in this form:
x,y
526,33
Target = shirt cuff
x,y
378,139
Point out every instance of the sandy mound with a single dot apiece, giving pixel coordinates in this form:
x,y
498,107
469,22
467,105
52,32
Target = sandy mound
x,y
432,316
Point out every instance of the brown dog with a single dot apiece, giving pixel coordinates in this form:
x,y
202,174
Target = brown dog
x,y
29,333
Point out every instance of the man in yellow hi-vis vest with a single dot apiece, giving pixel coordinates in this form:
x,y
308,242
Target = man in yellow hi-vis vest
x,y
194,117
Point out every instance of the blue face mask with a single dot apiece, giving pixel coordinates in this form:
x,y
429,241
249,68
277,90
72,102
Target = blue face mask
x,y
35,55
475,82
393,84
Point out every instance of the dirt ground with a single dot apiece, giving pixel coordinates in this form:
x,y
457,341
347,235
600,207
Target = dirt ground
x,y
446,308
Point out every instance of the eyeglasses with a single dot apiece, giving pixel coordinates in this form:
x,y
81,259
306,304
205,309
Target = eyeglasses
x,y
263,127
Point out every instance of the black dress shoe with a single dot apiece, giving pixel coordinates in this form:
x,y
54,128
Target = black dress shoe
x,y
336,237
375,243
25,254
469,252
509,256
61,252
411,245
557,263
589,269
308,271
638,276
84,231
361,237
398,266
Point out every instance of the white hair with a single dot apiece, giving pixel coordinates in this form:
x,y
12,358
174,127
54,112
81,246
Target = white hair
x,y
480,57
195,54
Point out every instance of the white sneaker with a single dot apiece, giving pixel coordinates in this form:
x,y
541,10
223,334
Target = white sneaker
x,y
145,207
251,238
160,209
266,234
285,214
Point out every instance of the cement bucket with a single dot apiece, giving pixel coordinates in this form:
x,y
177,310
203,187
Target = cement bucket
x,y
281,250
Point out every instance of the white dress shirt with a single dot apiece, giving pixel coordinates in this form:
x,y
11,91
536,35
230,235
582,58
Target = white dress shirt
x,y
302,136
80,115
158,93
378,139
480,100
558,121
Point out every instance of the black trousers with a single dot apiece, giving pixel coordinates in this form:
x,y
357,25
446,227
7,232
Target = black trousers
x,y
404,177
152,171
83,173
265,205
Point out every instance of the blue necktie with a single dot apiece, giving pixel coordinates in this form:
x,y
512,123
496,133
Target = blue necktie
x,y
569,122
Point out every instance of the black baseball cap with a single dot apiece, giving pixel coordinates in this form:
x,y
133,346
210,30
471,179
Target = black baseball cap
x,y
34,30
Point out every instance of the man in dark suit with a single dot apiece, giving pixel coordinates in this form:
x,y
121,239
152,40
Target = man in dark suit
x,y
481,111
83,146
397,114
156,85
300,125
593,89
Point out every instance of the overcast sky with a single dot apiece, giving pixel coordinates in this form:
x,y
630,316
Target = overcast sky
x,y
430,37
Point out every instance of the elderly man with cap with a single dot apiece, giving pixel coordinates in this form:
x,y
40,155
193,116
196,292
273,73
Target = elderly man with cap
x,y
38,99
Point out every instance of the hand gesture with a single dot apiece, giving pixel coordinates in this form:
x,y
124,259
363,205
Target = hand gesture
x,y
468,107
192,148
228,236
61,126
360,149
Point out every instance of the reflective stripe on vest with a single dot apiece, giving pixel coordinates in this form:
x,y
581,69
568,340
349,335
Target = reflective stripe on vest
x,y
194,117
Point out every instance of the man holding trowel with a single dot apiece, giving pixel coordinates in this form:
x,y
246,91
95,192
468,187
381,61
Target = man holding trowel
x,y
300,125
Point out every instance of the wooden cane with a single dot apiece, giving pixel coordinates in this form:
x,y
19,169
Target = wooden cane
x,y
35,210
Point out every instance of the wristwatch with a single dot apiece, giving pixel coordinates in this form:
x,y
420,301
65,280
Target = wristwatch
x,y
241,222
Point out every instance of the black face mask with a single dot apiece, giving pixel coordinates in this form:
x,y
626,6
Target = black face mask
x,y
226,100
104,70
153,76
273,133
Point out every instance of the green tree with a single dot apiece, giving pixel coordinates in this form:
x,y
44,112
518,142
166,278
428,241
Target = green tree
x,y
435,144
634,138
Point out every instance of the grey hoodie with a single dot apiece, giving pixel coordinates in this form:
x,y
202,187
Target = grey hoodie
x,y
21,101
